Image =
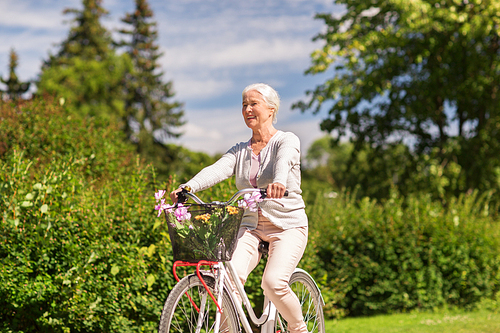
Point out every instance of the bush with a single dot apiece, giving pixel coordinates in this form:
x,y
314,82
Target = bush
x,y
402,254
80,245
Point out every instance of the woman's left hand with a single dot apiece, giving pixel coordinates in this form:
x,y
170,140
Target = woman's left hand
x,y
275,191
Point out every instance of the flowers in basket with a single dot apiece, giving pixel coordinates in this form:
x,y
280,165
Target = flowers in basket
x,y
203,229
249,201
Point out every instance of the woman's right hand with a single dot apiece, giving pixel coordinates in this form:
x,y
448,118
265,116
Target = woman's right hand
x,y
275,191
173,195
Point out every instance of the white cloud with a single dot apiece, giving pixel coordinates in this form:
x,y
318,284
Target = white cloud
x,y
34,14
197,132
247,53
213,130
192,86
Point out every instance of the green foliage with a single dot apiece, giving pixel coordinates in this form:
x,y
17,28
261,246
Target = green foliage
x,y
86,72
439,175
178,164
491,304
422,73
81,248
87,39
374,172
151,118
15,88
90,87
403,254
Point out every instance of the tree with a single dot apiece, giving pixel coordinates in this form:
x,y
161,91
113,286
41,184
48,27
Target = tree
x,y
92,88
86,71
375,171
151,116
425,73
87,38
15,87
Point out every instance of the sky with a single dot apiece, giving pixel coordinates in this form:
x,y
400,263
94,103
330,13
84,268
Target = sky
x,y
212,49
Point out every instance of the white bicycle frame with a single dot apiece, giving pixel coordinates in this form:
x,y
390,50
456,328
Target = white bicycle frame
x,y
266,321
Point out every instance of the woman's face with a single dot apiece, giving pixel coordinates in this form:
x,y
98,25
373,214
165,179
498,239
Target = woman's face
x,y
256,112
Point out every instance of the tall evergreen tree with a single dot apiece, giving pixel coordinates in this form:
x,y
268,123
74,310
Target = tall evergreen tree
x,y
87,38
86,70
151,116
15,88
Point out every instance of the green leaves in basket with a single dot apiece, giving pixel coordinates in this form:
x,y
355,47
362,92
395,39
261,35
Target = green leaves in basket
x,y
183,229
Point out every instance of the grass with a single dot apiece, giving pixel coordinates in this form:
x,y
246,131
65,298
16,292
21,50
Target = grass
x,y
482,321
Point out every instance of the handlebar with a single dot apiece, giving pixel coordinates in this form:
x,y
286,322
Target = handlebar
x,y
185,194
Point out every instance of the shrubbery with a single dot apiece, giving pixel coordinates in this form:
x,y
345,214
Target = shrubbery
x,y
80,246
403,254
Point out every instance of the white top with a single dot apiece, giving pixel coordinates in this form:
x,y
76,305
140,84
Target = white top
x,y
254,168
279,163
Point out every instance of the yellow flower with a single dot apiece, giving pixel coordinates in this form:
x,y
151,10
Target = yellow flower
x,y
232,210
204,217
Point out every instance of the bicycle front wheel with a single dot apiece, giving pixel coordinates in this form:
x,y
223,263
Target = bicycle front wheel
x,y
179,313
310,300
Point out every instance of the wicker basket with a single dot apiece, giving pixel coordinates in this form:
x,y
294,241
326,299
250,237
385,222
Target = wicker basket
x,y
209,234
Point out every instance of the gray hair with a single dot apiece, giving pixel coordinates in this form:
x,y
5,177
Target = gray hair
x,y
270,96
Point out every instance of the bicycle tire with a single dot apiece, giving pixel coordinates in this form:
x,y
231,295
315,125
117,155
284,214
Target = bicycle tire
x,y
310,300
179,315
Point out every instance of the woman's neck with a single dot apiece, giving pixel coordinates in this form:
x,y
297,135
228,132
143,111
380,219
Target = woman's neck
x,y
261,138
263,135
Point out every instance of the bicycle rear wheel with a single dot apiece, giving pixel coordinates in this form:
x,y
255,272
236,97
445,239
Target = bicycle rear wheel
x,y
310,300
180,315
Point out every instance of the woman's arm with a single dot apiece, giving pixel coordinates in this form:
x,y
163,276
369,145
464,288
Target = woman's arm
x,y
287,156
222,169
215,173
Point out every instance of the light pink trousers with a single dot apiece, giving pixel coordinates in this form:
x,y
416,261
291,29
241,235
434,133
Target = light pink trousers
x,y
286,247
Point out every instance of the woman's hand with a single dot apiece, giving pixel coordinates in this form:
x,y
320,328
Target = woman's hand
x,y
173,195
275,191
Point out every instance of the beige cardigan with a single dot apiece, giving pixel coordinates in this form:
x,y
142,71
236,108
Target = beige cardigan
x,y
280,163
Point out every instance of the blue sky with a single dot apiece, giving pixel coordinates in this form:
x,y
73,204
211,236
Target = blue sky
x,y
212,50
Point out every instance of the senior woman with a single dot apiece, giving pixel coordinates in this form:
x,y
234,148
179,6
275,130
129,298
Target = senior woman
x,y
271,160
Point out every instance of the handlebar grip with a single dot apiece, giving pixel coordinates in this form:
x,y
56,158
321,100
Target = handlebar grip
x,y
181,196
263,193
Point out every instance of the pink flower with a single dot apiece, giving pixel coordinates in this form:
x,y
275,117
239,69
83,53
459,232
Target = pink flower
x,y
181,213
163,206
250,201
159,194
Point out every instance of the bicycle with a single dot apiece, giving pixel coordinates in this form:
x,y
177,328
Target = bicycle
x,y
204,301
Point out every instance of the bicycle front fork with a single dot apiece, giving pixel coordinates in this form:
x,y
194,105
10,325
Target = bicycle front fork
x,y
220,275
